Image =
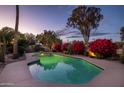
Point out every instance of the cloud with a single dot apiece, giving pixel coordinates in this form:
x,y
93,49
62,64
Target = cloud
x,y
77,35
99,34
68,33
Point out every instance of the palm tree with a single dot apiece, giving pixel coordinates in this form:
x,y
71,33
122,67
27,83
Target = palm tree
x,y
15,45
6,36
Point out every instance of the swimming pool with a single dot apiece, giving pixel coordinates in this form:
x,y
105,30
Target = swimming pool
x,y
63,70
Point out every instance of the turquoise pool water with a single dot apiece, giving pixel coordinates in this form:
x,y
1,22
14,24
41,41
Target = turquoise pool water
x,y
63,70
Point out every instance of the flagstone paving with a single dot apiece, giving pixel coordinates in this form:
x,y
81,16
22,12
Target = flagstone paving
x,y
18,74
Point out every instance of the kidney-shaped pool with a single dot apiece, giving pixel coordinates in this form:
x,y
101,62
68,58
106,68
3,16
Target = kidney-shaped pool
x,y
60,69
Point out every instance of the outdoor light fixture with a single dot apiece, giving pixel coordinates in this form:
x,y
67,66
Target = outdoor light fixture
x,y
92,54
42,54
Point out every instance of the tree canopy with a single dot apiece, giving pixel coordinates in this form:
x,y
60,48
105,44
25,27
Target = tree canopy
x,y
85,19
7,34
48,38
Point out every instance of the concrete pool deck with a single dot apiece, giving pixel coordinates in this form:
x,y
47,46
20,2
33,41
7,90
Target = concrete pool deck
x,y
18,74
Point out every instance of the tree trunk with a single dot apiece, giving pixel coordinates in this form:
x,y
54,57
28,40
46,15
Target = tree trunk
x,y
2,49
86,36
2,55
15,45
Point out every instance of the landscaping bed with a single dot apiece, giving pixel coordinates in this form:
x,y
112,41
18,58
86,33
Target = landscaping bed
x,y
1,66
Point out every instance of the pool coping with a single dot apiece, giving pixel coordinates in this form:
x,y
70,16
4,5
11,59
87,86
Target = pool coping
x,y
80,59
19,75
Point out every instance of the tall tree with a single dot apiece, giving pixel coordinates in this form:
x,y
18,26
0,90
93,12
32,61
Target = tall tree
x,y
15,45
122,33
31,38
85,19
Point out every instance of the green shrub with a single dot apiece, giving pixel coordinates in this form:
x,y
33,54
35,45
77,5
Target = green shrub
x,y
99,56
85,53
38,48
21,50
9,49
122,58
2,59
23,43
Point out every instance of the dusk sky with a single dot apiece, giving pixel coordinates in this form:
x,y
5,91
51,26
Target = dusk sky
x,y
34,19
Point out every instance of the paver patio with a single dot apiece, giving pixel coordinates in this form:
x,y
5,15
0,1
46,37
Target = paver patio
x,y
18,74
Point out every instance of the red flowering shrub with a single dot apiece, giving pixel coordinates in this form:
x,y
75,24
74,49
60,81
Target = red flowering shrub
x,y
57,47
78,47
103,47
65,47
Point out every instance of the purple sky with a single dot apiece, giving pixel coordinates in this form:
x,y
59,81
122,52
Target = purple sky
x,y
35,19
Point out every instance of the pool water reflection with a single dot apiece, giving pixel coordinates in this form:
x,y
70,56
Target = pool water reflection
x,y
63,70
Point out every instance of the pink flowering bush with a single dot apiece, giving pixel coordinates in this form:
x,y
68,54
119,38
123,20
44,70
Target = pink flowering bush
x,y
78,47
103,47
57,47
65,46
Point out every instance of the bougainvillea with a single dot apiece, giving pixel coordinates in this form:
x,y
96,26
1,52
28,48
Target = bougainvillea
x,y
78,47
57,47
65,47
103,47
